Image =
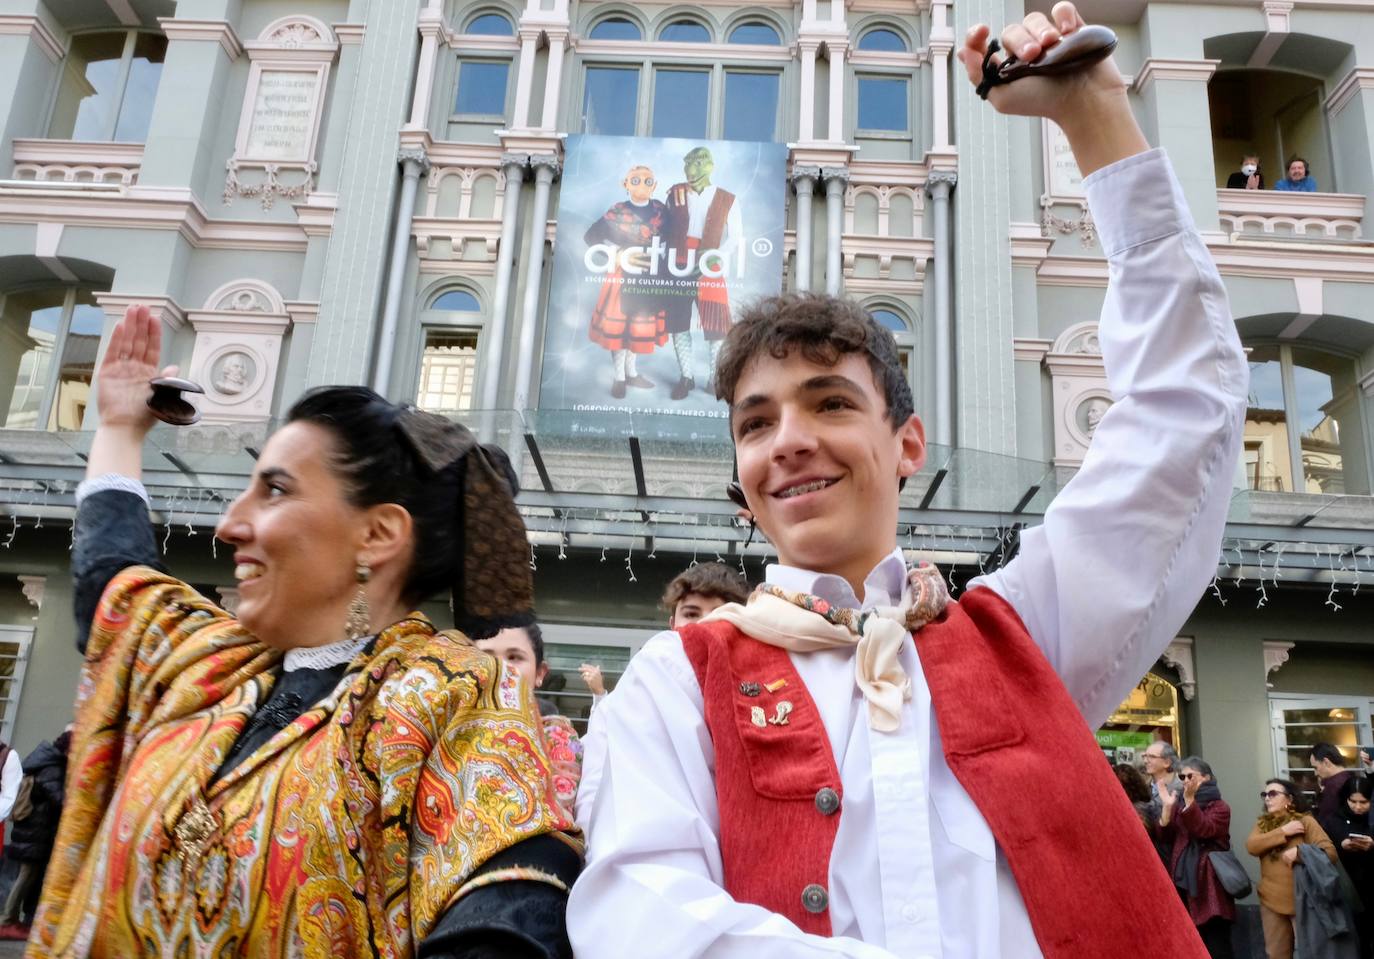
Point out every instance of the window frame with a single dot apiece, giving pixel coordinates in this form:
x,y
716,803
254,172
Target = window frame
x,y
509,95
866,72
126,61
907,341
59,349
21,636
490,12
455,320
1278,702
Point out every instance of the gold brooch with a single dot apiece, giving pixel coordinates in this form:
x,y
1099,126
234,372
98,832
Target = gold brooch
x,y
194,830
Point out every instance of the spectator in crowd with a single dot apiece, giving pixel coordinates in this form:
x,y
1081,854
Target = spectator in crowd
x,y
1137,790
697,591
1352,830
1284,826
1194,824
1248,177
1161,768
1329,765
522,649
33,833
1299,179
11,775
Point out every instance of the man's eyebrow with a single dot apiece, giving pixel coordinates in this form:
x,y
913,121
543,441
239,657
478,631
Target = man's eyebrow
x,y
832,381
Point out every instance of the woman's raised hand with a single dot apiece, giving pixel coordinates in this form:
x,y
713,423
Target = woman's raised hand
x,y
130,361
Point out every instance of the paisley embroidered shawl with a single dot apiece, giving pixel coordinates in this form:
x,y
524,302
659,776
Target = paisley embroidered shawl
x,y
348,834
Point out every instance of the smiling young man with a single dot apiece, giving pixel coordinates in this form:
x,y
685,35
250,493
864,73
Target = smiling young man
x,y
852,764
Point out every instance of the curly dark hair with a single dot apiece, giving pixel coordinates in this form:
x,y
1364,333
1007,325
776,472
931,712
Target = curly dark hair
x,y
715,580
1132,782
824,328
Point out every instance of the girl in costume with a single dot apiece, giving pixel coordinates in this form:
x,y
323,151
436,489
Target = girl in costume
x,y
327,774
628,318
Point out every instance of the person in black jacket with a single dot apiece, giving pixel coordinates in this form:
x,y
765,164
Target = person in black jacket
x,y
33,833
1351,829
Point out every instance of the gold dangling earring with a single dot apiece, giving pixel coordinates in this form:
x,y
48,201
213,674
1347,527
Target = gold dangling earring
x,y
359,622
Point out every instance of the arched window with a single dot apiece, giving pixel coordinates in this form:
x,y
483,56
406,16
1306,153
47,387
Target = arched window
x,y
56,332
757,33
903,332
490,25
685,31
109,83
457,301
616,28
890,320
883,40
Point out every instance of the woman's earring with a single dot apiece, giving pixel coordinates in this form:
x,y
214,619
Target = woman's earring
x,y
359,616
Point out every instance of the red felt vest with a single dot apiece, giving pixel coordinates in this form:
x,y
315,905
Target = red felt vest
x,y
1092,882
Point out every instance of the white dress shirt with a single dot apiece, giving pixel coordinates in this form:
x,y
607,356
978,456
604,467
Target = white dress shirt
x,y
699,204
1122,556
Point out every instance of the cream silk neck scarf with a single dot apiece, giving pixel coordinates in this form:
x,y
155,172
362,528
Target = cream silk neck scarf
x,y
802,623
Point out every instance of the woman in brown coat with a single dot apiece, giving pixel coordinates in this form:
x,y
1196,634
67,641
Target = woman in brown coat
x,y
1278,833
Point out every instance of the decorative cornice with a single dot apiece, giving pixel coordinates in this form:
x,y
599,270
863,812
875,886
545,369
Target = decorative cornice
x,y
833,174
413,156
302,312
34,587
349,34
27,25
219,31
316,214
1167,69
540,162
941,182
1030,350
1356,81
1179,655
163,308
803,171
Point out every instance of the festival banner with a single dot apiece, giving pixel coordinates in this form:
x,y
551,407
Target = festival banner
x,y
660,244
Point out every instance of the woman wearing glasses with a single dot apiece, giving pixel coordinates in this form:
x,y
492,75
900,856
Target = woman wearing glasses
x,y
1278,833
1191,826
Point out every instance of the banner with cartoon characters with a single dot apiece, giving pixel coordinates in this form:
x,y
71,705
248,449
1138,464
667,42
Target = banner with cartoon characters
x,y
660,244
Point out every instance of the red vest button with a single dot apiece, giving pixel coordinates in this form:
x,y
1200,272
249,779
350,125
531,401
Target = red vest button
x,y
827,801
815,898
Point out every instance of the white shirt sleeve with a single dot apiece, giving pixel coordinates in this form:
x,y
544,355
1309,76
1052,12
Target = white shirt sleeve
x,y
652,885
1130,544
10,777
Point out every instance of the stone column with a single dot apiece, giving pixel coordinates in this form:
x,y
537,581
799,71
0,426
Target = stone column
x,y
431,35
524,81
553,77
546,169
1350,118
804,182
835,49
414,164
354,266
941,46
31,50
836,180
939,186
806,128
1176,116
513,168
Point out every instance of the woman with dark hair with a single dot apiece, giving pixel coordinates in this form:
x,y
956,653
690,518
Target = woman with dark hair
x,y
521,648
1284,826
1351,828
328,774
1193,826
1137,790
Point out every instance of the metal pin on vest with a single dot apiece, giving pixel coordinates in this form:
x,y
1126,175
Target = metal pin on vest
x,y
779,718
750,689
758,717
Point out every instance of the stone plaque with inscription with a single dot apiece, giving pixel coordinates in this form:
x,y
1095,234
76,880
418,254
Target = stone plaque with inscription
x,y
283,120
1062,173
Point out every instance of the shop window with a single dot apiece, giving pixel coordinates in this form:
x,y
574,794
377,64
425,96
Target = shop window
x,y
751,105
1149,714
883,40
884,104
48,344
490,25
1301,423
1300,722
108,85
755,33
681,101
482,87
610,99
684,31
616,28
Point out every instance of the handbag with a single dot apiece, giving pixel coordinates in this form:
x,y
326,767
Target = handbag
x,y
1232,875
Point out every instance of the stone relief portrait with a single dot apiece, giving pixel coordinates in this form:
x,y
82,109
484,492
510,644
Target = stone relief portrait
x,y
232,373
1089,414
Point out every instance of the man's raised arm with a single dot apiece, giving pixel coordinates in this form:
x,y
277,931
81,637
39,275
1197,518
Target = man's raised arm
x,y
1128,547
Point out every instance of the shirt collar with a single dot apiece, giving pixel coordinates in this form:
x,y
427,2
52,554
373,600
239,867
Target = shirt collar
x,y
882,587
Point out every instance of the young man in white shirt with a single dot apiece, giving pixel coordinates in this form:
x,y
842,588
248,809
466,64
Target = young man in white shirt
x,y
851,765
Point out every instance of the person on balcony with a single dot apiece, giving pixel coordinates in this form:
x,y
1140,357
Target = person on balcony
x,y
325,773
843,765
1248,177
1299,180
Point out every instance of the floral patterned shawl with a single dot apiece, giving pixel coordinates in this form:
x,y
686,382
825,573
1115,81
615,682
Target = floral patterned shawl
x,y
350,833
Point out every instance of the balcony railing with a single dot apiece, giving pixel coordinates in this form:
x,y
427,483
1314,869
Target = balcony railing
x,y
1309,216
77,162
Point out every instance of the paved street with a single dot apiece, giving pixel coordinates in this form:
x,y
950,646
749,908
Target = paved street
x,y
11,950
